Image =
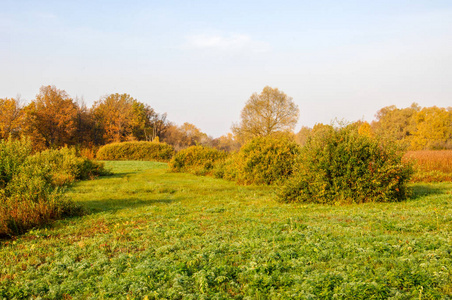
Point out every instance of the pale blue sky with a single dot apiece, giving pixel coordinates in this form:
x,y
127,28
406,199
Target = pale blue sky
x,y
200,61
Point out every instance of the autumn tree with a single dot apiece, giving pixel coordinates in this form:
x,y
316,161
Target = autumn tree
x,y
51,118
433,129
142,114
184,136
114,116
226,143
302,135
11,117
86,133
121,118
159,125
266,113
396,124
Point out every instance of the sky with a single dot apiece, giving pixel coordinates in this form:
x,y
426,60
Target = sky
x,y
200,61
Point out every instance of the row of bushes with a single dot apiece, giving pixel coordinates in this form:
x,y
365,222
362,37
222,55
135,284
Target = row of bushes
x,y
30,184
336,165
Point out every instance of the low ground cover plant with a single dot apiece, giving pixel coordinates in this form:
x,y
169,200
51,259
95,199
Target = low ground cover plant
x,y
30,184
431,165
262,161
342,165
198,160
150,151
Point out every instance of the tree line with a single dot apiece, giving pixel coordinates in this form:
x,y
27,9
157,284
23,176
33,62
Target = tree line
x,y
413,128
54,119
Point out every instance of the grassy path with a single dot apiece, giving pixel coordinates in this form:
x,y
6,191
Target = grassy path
x,y
162,235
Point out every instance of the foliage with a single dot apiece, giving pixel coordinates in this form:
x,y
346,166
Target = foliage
x,y
431,165
11,118
114,115
51,118
136,151
340,165
87,132
162,235
396,124
184,136
433,129
66,165
416,128
266,113
198,160
29,194
263,160
302,136
226,143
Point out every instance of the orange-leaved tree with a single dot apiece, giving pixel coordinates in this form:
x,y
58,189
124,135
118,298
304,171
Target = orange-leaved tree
x,y
51,118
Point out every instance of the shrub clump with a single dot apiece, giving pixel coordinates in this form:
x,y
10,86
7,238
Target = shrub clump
x,y
263,160
342,165
150,151
66,165
198,160
29,185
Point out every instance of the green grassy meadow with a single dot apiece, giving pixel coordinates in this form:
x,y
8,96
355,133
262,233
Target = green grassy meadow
x,y
152,234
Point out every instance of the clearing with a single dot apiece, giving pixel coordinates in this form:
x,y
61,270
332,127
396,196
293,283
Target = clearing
x,y
154,234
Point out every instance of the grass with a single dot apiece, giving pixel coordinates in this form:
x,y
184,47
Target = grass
x,y
152,234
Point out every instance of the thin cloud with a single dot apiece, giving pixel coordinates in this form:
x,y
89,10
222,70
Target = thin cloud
x,y
231,42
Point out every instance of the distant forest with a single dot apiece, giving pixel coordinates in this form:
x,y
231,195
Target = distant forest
x,y
53,119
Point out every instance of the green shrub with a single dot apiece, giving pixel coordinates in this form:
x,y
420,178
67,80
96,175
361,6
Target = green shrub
x,y
340,165
12,156
150,151
67,166
227,168
198,160
29,189
263,160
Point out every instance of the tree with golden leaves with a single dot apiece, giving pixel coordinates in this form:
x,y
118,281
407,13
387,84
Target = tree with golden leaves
x,y
11,117
266,113
433,129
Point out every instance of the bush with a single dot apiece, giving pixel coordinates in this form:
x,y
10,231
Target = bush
x,y
150,151
263,160
29,186
66,165
12,156
343,166
198,160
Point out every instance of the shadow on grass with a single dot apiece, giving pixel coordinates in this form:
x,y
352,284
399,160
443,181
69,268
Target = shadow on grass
x,y
112,205
117,175
421,190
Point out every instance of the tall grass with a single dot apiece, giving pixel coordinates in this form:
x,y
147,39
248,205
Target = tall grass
x,y
431,165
